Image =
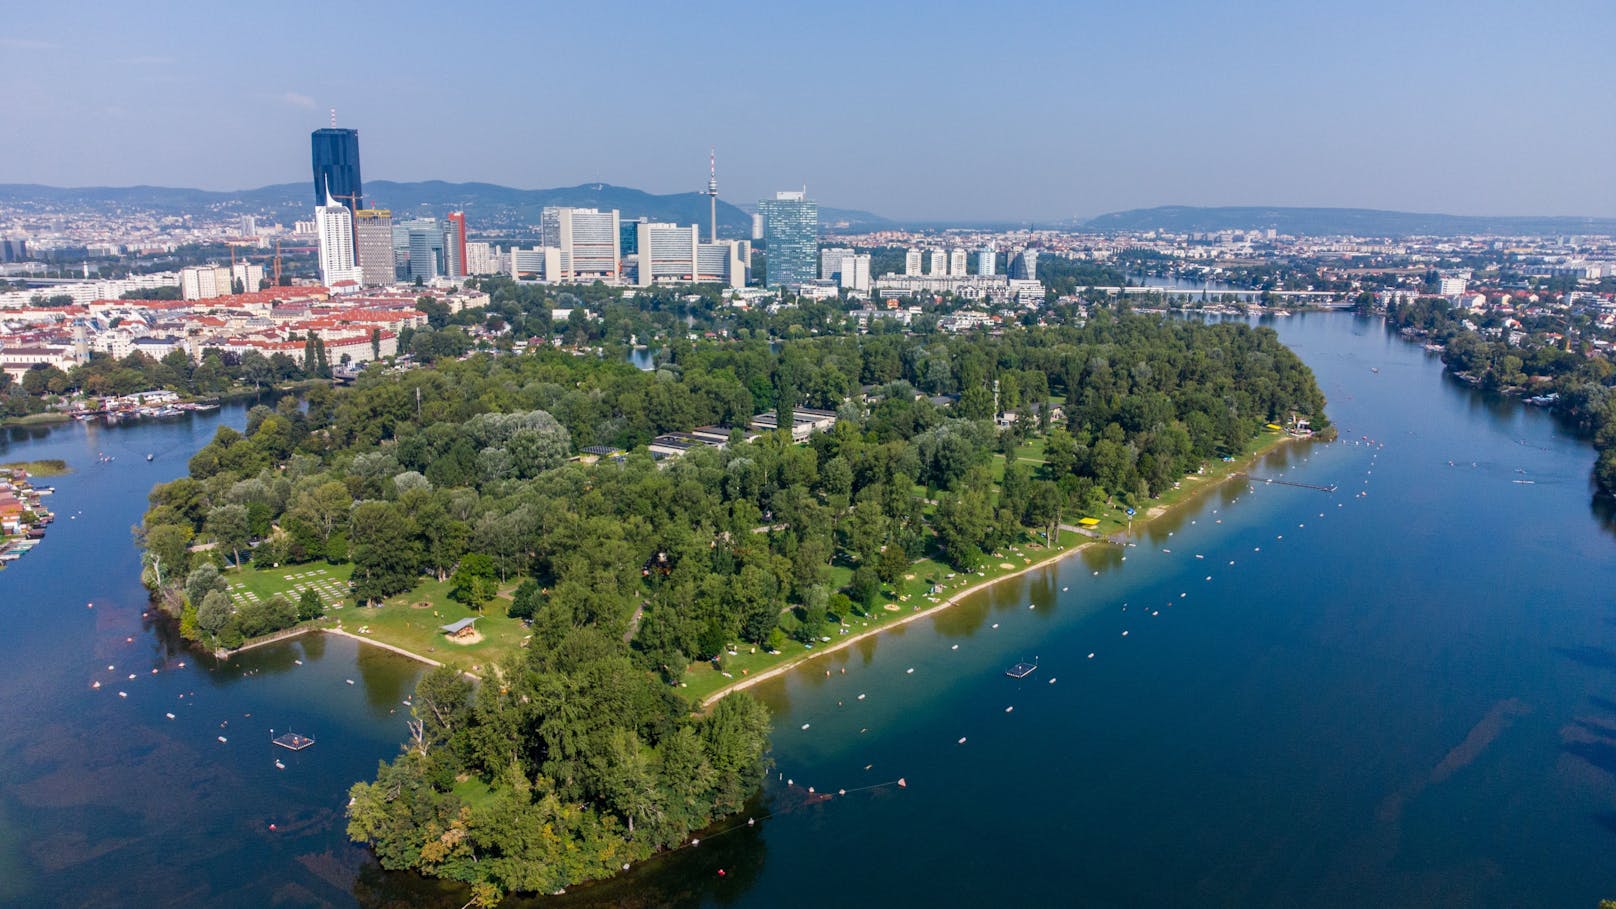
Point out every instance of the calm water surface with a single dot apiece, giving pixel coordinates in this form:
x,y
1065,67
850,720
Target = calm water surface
x,y
1402,693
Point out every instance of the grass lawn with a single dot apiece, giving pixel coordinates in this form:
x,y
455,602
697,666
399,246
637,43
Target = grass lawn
x,y
404,622
250,584
397,621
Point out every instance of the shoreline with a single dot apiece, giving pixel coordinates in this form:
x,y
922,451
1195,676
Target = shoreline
x,y
1151,515
363,639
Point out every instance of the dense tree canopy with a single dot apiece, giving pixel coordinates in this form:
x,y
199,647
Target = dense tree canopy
x,y
582,755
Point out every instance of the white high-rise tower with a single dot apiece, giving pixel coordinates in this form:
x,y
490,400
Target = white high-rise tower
x,y
333,224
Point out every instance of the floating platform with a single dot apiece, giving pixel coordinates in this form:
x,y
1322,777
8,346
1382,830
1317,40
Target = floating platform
x,y
292,741
1021,670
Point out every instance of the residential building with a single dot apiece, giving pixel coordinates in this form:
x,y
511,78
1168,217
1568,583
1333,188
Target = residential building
x,y
987,261
957,262
482,259
854,272
791,232
247,275
204,282
830,262
912,262
938,263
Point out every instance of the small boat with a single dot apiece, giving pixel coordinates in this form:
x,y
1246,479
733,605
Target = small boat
x,y
279,766
223,740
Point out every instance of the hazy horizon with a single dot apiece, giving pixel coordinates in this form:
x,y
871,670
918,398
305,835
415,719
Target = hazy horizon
x,y
949,111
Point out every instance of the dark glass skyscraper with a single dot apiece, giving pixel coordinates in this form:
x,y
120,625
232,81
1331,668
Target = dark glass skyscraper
x,y
336,164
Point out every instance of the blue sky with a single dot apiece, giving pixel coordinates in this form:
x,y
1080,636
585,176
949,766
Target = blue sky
x,y
1033,110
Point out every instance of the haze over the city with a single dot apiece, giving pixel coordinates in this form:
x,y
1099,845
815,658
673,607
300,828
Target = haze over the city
x,y
943,110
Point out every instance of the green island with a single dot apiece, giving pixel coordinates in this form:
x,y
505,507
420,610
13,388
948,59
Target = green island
x,y
50,467
503,516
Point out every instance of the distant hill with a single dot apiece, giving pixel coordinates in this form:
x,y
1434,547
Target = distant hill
x,y
1320,222
488,207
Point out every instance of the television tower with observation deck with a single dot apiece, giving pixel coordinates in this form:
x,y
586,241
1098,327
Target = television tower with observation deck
x,y
712,189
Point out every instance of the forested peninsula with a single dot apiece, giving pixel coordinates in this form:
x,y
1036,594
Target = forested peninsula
x,y
527,476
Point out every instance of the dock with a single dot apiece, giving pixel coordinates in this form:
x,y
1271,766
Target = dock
x,y
292,741
1273,482
1021,670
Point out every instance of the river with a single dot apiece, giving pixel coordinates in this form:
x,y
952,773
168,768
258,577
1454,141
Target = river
x,y
1399,693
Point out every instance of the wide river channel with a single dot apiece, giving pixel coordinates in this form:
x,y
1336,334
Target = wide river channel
x,y
1398,693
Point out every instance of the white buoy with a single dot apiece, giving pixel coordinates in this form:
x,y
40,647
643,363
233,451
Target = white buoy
x,y
1125,634
962,740
1009,710
805,725
995,624
1032,605
909,671
1051,681
1064,589
861,697
955,647
1091,656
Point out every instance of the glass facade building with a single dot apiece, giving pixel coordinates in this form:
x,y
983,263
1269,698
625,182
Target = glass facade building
x,y
791,230
336,166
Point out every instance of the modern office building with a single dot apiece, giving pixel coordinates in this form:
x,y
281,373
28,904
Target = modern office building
x,y
667,252
912,261
1024,267
757,226
958,262
373,234
987,261
791,230
628,236
937,263
336,167
454,244
830,262
590,242
334,230
541,263
723,262
427,260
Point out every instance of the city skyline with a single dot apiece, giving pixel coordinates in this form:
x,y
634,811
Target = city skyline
x,y
1042,112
